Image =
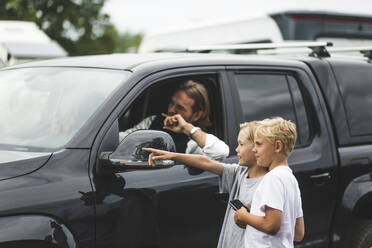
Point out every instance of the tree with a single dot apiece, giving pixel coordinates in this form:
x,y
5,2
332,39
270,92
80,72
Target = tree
x,y
77,25
128,42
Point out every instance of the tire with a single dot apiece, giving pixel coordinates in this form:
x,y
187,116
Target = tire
x,y
362,237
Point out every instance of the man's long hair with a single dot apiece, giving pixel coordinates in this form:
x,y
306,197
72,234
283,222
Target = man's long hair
x,y
199,94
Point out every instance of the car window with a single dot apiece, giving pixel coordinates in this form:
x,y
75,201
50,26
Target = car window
x,y
354,85
269,95
45,107
154,100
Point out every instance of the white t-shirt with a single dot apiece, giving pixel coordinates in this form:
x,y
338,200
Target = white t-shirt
x,y
279,190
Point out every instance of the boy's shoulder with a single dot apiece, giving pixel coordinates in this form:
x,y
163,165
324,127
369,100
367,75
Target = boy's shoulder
x,y
234,169
234,166
281,170
281,173
227,165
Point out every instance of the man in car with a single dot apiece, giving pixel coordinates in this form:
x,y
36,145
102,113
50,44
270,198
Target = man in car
x,y
187,121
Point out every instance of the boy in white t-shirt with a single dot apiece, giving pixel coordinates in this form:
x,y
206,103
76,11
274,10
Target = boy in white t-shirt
x,y
276,217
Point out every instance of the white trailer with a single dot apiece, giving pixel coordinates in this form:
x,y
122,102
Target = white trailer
x,y
340,28
22,41
255,29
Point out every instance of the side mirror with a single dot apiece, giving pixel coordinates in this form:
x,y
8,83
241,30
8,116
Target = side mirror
x,y
129,153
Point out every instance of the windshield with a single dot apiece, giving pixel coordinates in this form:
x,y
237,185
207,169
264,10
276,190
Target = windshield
x,y
45,107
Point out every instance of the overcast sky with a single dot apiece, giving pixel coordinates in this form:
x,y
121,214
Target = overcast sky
x,y
150,16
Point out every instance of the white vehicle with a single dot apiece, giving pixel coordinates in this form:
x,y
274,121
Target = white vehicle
x,y
22,41
340,29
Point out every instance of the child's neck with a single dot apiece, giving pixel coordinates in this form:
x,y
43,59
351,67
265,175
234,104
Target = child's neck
x,y
256,171
275,164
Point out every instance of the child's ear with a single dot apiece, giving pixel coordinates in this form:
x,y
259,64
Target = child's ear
x,y
279,146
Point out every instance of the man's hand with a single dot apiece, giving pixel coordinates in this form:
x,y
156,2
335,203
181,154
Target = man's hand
x,y
176,123
238,217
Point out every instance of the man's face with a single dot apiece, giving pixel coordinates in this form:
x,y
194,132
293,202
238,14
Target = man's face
x,y
182,104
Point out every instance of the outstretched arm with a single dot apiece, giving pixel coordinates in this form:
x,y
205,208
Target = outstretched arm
x,y
198,161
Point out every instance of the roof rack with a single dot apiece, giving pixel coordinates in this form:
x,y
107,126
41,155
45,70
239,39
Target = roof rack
x,y
365,50
318,48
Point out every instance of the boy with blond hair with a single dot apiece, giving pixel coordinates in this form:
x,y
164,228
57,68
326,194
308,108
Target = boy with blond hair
x,y
276,217
239,180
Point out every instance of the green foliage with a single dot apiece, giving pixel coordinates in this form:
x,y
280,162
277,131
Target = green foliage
x,y
128,38
77,25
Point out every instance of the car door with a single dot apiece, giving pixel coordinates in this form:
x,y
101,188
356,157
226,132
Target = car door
x,y
169,207
289,92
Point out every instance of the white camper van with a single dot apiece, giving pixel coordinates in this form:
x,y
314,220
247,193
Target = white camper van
x,y
340,29
22,41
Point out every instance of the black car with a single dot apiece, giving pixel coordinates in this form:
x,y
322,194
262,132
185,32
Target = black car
x,y
66,180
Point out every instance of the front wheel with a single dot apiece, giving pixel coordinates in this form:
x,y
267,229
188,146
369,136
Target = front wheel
x,y
362,237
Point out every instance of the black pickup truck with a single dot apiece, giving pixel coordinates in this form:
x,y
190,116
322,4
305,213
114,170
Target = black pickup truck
x,y
60,121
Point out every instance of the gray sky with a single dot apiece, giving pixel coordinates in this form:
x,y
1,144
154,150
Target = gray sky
x,y
159,15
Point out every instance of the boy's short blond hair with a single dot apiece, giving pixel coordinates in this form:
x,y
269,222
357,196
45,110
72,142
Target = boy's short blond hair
x,y
277,128
249,128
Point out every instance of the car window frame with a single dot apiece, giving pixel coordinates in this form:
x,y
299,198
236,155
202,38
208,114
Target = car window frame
x,y
138,84
292,72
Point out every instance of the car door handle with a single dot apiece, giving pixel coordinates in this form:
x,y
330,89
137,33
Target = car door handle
x,y
320,179
325,175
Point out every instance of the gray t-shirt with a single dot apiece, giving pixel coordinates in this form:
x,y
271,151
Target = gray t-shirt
x,y
235,182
